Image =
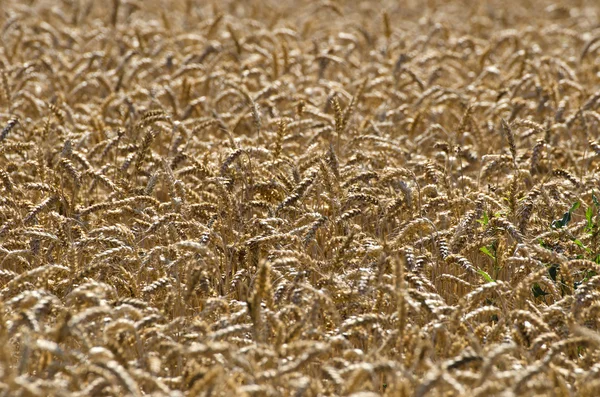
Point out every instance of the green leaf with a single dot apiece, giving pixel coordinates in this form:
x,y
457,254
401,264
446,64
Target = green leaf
x,y
485,219
589,213
486,251
486,276
543,244
589,274
580,244
557,224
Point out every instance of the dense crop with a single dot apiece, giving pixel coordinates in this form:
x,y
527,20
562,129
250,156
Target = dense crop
x,y
299,198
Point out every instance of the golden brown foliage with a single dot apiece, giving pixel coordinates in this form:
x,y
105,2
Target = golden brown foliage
x,y
299,198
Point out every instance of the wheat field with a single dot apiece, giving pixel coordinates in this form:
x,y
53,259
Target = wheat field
x,y
299,198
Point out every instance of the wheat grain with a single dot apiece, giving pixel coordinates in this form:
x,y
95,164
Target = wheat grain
x,y
299,198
